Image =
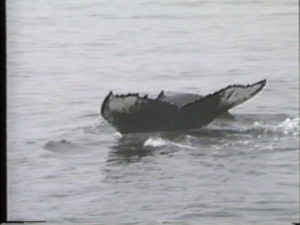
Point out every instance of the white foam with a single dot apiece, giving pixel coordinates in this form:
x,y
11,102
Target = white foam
x,y
155,142
117,134
288,126
160,142
183,145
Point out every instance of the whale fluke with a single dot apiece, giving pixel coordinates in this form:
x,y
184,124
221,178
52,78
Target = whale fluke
x,y
132,113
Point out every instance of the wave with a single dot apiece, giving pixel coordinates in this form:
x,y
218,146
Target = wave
x,y
257,124
61,146
290,126
99,127
54,145
217,134
242,131
167,17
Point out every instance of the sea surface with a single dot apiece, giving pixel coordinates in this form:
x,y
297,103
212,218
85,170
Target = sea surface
x,y
67,164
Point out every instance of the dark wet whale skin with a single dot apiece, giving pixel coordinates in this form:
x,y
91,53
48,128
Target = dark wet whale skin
x,y
173,112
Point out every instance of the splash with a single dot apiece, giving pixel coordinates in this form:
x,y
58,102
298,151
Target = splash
x,y
290,126
118,134
157,142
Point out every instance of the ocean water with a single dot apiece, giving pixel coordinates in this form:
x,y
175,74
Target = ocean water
x,y
67,164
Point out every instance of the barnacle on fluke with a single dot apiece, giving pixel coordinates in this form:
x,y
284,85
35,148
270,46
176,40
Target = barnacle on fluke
x,y
132,113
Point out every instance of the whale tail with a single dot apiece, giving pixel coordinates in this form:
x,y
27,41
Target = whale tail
x,y
236,94
228,97
132,113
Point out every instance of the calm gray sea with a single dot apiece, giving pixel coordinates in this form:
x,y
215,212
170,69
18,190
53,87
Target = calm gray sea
x,y
67,164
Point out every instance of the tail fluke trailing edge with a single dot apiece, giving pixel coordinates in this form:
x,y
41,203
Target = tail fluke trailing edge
x,y
232,95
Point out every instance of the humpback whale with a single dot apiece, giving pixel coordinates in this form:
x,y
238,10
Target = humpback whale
x,y
132,113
